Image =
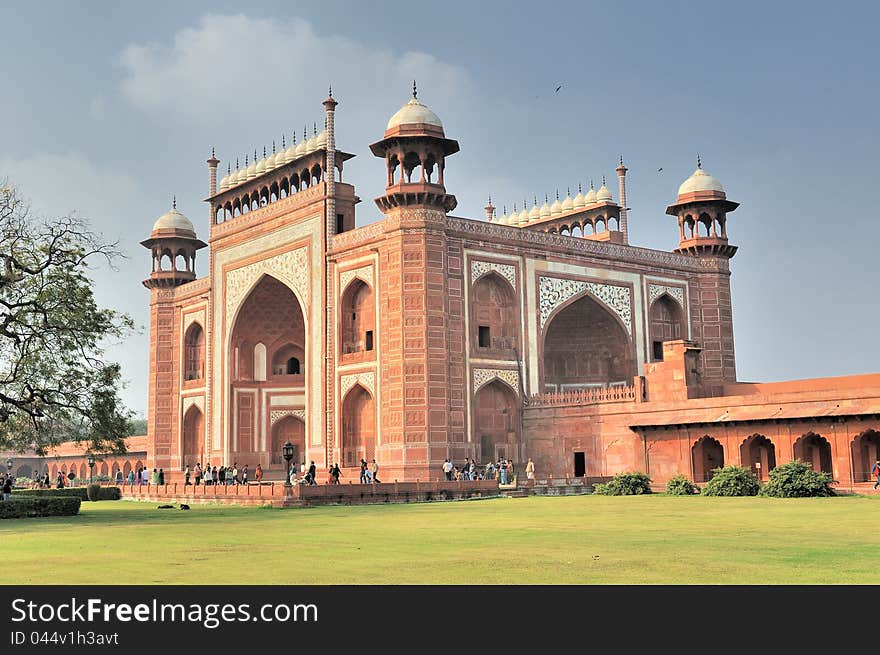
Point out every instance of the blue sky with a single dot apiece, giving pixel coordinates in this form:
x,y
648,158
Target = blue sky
x,y
110,108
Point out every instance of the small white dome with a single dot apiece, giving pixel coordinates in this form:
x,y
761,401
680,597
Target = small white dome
x,y
556,207
224,182
322,140
174,220
545,209
271,163
603,195
590,198
523,217
261,167
288,155
242,175
700,180
301,149
568,203
251,171
312,144
535,213
579,200
503,219
414,112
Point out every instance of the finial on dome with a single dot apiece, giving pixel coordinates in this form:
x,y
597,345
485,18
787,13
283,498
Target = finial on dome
x,y
212,151
591,182
174,201
236,164
305,132
415,91
283,145
579,187
490,198
273,146
315,129
536,199
264,151
621,160
546,199
330,90
504,209
699,161
245,160
228,168
557,194
294,137
603,180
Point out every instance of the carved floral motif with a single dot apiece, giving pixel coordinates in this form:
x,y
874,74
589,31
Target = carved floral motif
x,y
657,290
367,379
277,414
483,376
291,267
554,291
508,272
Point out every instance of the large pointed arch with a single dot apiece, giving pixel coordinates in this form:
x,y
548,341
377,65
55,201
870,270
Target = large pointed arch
x,y
707,455
497,421
667,322
815,450
193,441
585,344
357,317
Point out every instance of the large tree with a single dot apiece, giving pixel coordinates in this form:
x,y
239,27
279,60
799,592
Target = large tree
x,y
54,383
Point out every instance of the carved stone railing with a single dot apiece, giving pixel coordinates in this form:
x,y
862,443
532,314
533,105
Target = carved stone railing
x,y
358,235
592,396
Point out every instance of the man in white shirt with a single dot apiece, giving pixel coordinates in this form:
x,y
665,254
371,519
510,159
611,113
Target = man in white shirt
x,y
447,469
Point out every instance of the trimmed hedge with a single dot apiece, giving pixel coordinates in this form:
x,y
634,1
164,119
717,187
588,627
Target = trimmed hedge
x,y
105,493
732,480
20,507
797,479
681,485
625,484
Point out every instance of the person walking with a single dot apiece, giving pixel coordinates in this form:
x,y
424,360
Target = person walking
x,y
244,475
7,488
131,477
209,479
875,471
363,477
161,478
374,468
530,470
198,473
258,473
447,469
186,475
313,471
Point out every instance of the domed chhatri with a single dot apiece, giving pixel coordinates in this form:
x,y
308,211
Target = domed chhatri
x,y
414,113
700,182
173,223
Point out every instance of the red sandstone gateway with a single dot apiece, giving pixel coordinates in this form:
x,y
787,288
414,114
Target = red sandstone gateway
x,y
421,336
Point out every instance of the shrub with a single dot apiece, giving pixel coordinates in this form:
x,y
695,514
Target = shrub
x,y
68,492
93,491
797,480
20,507
105,493
680,485
732,481
625,484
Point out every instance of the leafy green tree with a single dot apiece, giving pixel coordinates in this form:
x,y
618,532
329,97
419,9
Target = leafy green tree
x,y
54,383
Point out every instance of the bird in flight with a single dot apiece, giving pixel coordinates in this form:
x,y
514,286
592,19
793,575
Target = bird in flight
x,y
660,170
557,89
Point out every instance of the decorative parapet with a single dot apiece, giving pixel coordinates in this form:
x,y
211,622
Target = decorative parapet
x,y
480,268
657,290
367,379
292,267
554,291
483,376
598,395
358,236
277,414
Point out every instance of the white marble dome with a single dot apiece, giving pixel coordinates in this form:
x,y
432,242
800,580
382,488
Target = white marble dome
x,y
174,220
700,180
414,112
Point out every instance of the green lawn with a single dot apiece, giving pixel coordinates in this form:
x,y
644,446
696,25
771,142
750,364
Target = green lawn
x,y
577,539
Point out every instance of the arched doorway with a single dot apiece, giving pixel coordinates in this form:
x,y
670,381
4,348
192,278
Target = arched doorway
x,y
494,317
357,318
23,471
358,427
193,450
865,451
268,333
586,346
708,454
497,422
292,429
815,450
667,324
126,470
758,454
83,471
